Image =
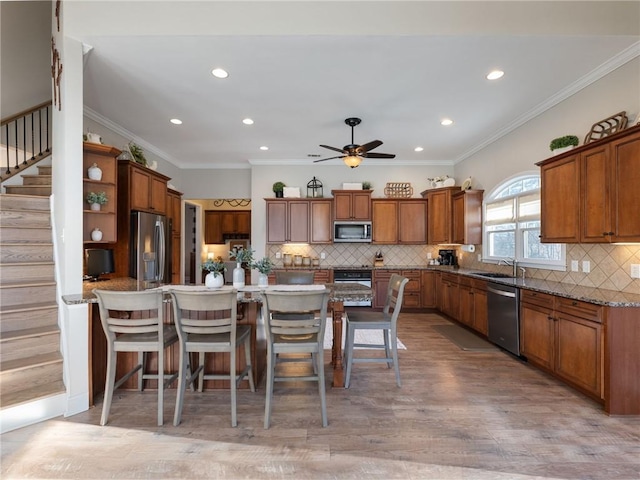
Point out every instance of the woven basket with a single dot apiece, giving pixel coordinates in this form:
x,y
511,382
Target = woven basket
x,y
398,190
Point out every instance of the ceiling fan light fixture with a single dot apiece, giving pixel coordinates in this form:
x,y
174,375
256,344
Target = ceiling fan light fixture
x,y
352,161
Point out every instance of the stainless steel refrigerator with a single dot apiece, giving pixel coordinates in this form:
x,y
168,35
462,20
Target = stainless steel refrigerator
x,y
150,258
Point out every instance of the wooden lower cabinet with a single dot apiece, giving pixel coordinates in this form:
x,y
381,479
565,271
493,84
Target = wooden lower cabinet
x,y
565,337
429,296
449,295
320,276
473,304
412,297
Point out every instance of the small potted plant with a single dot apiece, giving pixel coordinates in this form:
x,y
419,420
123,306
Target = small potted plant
x,y
264,266
97,199
216,269
278,189
137,154
240,255
366,185
562,144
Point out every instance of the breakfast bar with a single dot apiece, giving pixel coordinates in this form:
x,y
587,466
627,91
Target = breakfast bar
x,y
249,313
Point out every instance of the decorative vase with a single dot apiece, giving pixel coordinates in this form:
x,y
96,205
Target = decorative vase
x,y
95,207
213,280
96,234
94,172
279,194
238,276
263,280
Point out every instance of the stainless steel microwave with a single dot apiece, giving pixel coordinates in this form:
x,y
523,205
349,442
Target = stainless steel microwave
x,y
352,232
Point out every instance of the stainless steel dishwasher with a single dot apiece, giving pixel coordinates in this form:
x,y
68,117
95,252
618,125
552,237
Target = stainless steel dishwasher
x,y
504,319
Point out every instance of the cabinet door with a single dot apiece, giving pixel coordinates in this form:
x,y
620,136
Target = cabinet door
x,y
439,225
212,227
158,192
298,220
228,222
480,311
466,225
560,201
380,286
429,299
537,334
412,222
341,206
412,297
385,221
625,191
277,221
595,208
174,212
176,258
361,206
466,313
320,223
243,222
139,190
578,354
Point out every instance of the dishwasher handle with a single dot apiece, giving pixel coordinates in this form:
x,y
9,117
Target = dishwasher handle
x,y
502,292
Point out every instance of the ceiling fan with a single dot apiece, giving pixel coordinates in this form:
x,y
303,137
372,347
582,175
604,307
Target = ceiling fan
x,y
352,153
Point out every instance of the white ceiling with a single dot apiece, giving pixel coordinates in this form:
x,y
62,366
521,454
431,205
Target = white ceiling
x,y
299,87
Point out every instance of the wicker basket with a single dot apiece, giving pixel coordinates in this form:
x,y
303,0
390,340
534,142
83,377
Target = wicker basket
x,y
398,190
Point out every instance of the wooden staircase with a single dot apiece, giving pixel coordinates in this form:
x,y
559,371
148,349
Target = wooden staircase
x,y
39,184
30,360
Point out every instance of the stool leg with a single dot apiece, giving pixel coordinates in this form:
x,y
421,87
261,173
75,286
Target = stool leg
x,y
110,381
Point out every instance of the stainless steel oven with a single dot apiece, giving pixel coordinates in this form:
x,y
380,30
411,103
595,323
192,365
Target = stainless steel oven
x,y
354,276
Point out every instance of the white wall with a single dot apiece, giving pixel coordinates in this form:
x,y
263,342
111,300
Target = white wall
x,y
521,149
25,72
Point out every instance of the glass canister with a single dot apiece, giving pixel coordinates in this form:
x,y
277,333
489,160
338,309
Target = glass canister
x,y
315,261
286,259
306,261
297,260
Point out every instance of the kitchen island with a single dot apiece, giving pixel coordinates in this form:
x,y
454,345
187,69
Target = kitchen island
x,y
249,313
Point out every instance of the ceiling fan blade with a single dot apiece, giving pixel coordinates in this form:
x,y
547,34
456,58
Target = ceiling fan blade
x,y
368,146
330,158
378,155
333,148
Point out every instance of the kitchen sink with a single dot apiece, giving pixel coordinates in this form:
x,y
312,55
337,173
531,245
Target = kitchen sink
x,y
492,274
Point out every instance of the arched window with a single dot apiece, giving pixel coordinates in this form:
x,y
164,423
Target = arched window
x,y
512,226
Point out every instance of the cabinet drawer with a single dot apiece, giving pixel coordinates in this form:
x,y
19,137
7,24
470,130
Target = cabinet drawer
x,y
415,283
411,300
588,311
322,276
450,277
385,273
536,298
479,284
465,281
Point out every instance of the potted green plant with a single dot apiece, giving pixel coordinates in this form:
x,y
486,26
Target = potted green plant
x,y
216,269
137,154
240,255
278,189
264,266
97,199
565,143
366,185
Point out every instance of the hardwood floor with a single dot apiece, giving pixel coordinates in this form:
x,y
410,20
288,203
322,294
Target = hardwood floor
x,y
458,415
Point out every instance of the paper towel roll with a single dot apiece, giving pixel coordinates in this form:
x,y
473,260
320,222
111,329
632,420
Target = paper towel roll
x,y
468,248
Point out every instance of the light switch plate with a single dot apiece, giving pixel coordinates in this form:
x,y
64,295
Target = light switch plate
x,y
574,265
278,255
428,255
586,266
323,255
635,270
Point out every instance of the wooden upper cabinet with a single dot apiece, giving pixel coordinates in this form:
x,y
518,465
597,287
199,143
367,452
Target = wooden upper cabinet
x,y
351,204
175,211
321,230
385,221
625,189
213,227
591,195
145,190
467,217
439,224
412,221
560,201
219,225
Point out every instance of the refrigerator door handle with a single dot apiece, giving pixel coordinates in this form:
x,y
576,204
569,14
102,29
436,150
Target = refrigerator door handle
x,y
161,250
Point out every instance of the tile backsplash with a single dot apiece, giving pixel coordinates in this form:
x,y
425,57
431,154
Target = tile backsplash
x,y
610,264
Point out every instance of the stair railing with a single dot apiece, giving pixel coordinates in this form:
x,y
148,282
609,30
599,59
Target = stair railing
x,y
21,136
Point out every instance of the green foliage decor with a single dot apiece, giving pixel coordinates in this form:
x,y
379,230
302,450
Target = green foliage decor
x,y
100,198
561,142
241,255
278,187
137,154
216,267
264,265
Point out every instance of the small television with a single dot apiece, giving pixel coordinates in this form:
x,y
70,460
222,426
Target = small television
x,y
98,261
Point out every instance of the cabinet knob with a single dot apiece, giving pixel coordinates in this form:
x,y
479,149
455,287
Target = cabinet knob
x,y
574,303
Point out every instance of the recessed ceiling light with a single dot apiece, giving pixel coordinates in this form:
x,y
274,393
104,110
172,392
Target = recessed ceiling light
x,y
264,147
247,121
219,73
446,122
418,149
496,74
176,121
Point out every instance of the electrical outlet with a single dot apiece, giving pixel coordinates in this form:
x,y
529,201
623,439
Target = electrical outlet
x,y
479,257
278,254
323,255
586,266
635,270
574,265
429,256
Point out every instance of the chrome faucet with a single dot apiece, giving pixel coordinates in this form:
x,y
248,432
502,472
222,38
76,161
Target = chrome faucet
x,y
512,263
